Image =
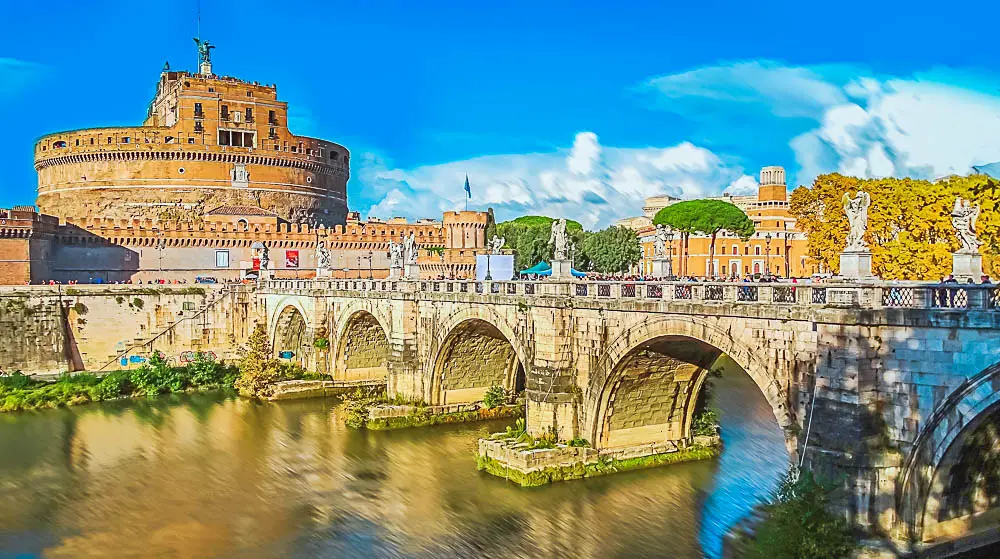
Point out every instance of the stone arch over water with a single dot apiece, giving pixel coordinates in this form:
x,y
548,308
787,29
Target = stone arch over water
x,y
473,354
647,382
950,483
362,348
291,333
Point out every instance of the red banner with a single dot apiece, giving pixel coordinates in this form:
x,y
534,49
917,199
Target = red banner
x,y
291,259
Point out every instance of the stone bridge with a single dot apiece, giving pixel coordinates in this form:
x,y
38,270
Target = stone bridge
x,y
886,386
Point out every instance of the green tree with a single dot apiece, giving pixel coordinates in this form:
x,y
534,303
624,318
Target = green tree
x,y
709,217
257,368
529,236
798,524
614,249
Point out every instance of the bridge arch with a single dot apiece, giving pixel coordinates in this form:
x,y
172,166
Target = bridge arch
x,y
362,347
290,332
474,349
929,491
675,353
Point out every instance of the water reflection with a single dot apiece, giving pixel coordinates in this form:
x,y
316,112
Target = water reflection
x,y
207,476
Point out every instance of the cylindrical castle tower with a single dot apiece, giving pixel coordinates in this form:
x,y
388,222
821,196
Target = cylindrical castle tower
x,y
207,141
772,185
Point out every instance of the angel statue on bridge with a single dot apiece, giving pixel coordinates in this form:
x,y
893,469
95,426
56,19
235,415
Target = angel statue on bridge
x,y
857,216
395,254
496,244
559,240
963,219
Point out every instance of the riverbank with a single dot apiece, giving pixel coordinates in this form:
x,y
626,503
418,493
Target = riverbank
x,y
20,392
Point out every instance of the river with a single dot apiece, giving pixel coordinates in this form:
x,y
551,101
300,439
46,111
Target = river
x,y
204,475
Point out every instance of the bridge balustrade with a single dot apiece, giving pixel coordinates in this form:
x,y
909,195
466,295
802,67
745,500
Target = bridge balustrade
x,y
876,294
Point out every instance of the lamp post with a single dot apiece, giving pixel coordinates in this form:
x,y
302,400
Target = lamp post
x,y
767,255
489,272
788,259
371,274
670,254
359,267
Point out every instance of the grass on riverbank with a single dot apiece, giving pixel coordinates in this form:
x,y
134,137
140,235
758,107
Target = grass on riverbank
x,y
19,392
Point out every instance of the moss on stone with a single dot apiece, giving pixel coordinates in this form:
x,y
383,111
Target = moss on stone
x,y
579,470
422,417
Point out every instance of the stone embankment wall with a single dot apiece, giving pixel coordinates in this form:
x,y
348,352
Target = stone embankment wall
x,y
55,329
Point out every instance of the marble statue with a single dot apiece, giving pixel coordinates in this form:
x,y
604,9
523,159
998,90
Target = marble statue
x,y
963,219
265,259
410,249
496,244
857,215
559,240
322,256
660,242
395,254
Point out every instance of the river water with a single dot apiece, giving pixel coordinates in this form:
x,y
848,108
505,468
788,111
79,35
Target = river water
x,y
209,476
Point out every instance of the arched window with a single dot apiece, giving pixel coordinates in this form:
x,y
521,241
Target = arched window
x,y
59,144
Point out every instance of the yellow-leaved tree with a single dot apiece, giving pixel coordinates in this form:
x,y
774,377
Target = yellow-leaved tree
x,y
909,222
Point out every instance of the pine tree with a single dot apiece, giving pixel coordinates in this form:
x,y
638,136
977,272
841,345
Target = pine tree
x,y
257,369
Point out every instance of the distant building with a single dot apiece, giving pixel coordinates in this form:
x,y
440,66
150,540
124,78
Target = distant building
x,y
777,246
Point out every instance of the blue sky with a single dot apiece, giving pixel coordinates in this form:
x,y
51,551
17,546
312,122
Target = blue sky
x,y
564,108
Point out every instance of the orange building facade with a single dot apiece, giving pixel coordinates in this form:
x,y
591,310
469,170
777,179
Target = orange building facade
x,y
777,247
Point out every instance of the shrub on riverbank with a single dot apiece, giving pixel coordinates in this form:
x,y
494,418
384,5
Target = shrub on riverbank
x,y
258,370
799,525
19,392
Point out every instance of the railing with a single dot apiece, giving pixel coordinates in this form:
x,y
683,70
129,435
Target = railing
x,y
714,292
897,295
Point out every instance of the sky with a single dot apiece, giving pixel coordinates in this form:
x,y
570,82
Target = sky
x,y
563,108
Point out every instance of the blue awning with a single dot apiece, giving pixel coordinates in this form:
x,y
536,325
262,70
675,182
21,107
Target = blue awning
x,y
540,269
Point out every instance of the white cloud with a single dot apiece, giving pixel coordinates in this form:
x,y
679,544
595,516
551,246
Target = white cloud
x,y
926,125
589,182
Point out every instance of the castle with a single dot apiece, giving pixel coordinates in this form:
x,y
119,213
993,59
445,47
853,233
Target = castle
x,y
212,171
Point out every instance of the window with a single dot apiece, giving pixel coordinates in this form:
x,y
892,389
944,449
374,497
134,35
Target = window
x,y
91,141
223,137
272,134
190,140
736,250
211,90
333,156
722,250
109,140
126,140
198,127
249,93
197,110
78,141
188,305
222,259
59,144
746,250
225,112
756,250
249,114
271,118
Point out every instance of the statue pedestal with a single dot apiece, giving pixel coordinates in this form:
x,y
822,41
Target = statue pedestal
x,y
323,273
395,272
562,269
264,274
965,266
661,268
411,271
856,265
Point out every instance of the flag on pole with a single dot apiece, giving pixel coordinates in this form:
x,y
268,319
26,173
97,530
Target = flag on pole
x,y
468,192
